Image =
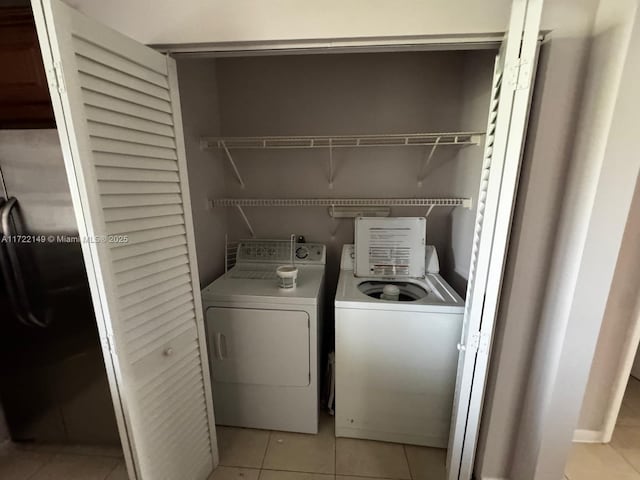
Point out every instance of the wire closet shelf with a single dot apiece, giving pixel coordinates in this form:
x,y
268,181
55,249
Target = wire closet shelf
x,y
329,143
341,202
332,203
343,141
434,140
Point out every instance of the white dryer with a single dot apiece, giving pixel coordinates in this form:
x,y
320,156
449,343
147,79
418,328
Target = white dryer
x,y
395,358
265,341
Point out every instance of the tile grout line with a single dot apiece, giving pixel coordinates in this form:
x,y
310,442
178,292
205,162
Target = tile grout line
x,y
631,381
264,455
112,470
302,471
619,451
44,464
62,450
321,474
358,475
624,457
38,470
406,457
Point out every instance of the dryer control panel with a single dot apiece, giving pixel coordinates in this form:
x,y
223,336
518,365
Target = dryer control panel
x,y
280,252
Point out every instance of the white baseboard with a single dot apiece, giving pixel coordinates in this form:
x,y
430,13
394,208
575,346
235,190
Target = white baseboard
x,y
588,436
493,478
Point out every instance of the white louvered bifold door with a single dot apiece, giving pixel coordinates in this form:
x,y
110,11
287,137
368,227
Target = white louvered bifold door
x,y
463,382
506,127
118,114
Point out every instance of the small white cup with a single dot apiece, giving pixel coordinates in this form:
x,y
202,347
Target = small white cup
x,y
287,276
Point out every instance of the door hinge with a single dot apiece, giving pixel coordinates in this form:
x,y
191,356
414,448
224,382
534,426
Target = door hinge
x,y
519,74
484,344
478,343
472,343
109,344
56,78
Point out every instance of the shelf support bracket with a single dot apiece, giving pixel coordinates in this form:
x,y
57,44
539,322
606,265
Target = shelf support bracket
x,y
246,220
426,162
330,164
334,221
431,207
233,164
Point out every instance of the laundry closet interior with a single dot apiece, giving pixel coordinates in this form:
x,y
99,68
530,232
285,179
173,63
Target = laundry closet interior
x,y
273,140
232,100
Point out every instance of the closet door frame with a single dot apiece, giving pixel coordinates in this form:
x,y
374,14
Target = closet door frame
x,y
494,257
525,18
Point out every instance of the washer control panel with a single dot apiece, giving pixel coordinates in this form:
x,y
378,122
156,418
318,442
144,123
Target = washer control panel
x,y
348,257
279,251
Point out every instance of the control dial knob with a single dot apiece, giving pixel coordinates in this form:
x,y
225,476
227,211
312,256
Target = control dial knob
x,y
302,253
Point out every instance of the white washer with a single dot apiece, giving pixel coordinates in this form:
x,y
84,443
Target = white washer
x,y
264,341
396,360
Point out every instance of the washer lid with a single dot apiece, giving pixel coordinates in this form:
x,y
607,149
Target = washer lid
x,y
390,247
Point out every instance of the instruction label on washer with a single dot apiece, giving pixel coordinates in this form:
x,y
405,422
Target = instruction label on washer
x,y
389,252
390,247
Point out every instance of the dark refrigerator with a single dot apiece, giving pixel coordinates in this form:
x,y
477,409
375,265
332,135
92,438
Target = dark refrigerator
x,y
53,383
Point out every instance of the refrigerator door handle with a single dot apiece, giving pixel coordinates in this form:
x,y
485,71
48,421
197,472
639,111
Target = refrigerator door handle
x,y
7,273
13,273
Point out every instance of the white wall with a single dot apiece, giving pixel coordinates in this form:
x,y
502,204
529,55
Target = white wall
x,y
199,102
196,21
618,320
597,201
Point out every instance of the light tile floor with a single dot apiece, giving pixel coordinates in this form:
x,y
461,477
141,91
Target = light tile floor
x,y
245,454
619,460
60,462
